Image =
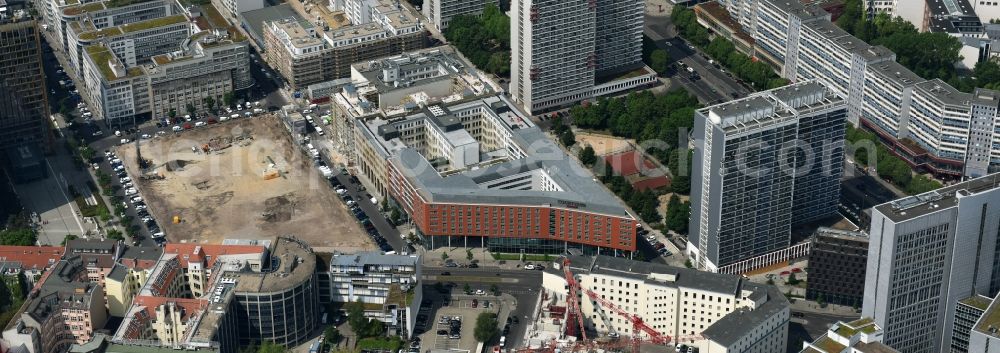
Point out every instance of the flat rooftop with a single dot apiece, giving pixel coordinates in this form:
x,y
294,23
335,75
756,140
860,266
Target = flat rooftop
x,y
293,261
977,301
896,72
944,92
938,200
989,323
255,20
772,107
529,151
953,16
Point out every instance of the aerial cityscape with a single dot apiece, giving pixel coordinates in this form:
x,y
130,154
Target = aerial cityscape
x,y
499,176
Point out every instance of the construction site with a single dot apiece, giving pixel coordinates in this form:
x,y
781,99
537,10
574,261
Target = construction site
x,y
241,179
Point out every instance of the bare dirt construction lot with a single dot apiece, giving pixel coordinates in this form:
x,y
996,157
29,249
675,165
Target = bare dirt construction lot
x,y
252,183
603,144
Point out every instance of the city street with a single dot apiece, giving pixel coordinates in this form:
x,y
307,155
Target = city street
x,y
713,86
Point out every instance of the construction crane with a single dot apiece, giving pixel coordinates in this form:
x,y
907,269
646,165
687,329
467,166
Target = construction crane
x,y
638,326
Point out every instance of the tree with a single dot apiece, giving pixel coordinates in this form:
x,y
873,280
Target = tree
x,y
495,290
356,318
659,61
792,280
486,327
172,113
444,256
18,236
687,263
468,255
114,234
103,214
228,98
395,215
86,153
467,289
484,40
68,238
567,138
331,335
190,109
587,156
209,104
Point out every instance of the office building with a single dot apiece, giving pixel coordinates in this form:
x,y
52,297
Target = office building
x,y
387,284
231,9
985,334
929,124
207,65
168,80
24,108
67,308
396,84
440,12
926,253
96,15
305,53
967,313
858,336
563,52
837,264
133,43
496,180
746,193
710,311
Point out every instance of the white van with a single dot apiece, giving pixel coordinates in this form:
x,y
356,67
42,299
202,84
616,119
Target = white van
x,y
319,131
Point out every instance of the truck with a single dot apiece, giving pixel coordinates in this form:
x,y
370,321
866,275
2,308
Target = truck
x,y
326,171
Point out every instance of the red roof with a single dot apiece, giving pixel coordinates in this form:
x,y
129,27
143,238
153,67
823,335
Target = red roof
x,y
651,183
31,257
627,163
207,253
150,303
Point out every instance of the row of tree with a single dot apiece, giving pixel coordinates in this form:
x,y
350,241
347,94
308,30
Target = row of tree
x,y
484,40
889,166
757,73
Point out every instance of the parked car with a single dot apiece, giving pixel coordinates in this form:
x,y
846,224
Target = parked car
x,y
200,124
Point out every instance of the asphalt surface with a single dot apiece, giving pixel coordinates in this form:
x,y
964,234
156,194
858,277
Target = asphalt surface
x,y
713,86
523,285
363,199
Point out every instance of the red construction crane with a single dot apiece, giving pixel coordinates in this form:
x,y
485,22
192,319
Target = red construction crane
x,y
573,308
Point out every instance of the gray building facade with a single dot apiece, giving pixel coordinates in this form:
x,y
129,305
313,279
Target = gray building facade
x,y
927,252
24,109
837,264
762,164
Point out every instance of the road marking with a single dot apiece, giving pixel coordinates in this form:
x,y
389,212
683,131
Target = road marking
x,y
62,190
472,279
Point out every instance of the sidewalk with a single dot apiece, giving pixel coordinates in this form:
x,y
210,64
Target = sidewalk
x,y
480,256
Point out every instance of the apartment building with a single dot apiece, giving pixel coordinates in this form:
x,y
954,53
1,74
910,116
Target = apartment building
x,y
858,336
24,109
28,261
837,263
710,311
440,12
563,52
496,181
745,197
928,252
305,53
128,275
67,308
225,297
967,312
929,124
114,92
388,284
